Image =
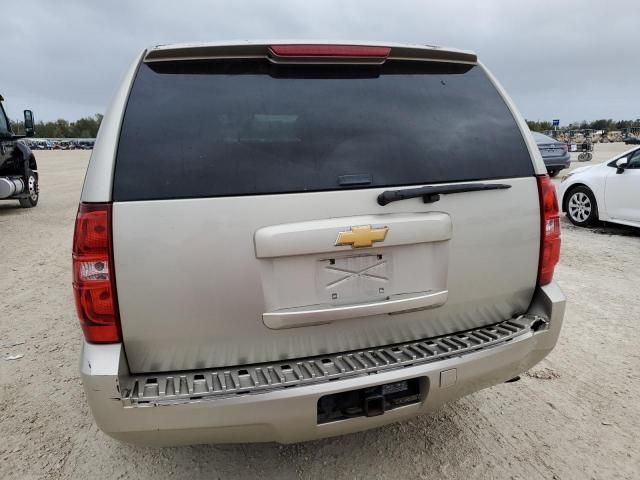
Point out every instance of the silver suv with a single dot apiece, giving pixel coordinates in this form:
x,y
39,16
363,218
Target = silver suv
x,y
283,242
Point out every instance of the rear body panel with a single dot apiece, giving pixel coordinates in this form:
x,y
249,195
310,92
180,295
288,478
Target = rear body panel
x,y
192,292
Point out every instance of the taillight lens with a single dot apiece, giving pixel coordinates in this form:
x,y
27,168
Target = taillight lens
x,y
550,231
330,51
93,280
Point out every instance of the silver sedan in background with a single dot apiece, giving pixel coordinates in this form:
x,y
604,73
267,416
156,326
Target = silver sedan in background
x,y
555,154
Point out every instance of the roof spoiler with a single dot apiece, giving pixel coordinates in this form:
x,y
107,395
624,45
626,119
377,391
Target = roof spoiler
x,y
309,52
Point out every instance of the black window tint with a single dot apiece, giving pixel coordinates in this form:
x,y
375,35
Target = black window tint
x,y
217,128
4,125
634,160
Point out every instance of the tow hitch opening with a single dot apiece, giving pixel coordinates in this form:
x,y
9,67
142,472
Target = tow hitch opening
x,y
368,402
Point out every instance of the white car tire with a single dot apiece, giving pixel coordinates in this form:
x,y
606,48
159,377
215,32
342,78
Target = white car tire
x,y
581,206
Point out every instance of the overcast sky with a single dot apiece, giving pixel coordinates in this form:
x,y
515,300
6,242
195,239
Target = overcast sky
x,y
565,59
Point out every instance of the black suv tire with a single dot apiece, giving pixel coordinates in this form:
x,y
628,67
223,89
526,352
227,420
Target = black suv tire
x,y
32,190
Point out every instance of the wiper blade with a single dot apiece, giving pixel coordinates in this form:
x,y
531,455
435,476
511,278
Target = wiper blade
x,y
432,194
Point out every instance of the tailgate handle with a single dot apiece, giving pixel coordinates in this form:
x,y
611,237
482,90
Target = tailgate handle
x,y
432,194
305,316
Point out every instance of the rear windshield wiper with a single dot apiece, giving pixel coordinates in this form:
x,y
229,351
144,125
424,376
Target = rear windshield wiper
x,y
432,194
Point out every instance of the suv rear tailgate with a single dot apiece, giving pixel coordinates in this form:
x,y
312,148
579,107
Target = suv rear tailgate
x,y
245,222
192,292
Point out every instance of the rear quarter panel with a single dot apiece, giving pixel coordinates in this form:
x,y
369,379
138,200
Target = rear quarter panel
x,y
534,152
99,177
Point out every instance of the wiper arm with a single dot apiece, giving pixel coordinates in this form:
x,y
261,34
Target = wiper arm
x,y
432,194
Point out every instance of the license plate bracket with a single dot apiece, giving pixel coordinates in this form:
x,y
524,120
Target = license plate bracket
x,y
354,278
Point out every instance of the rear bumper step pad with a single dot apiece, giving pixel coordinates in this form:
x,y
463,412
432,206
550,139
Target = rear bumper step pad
x,y
178,387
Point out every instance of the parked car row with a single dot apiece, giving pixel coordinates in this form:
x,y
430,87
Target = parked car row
x,y
46,144
37,144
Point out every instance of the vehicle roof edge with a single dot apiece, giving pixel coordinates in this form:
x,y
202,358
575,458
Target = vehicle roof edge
x,y
260,49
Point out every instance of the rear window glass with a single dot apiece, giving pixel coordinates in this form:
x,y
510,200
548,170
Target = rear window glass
x,y
222,128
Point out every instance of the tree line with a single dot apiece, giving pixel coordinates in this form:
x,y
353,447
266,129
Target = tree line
x,y
83,128
602,124
88,127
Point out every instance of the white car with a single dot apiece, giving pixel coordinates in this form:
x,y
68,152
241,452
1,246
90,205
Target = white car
x,y
609,191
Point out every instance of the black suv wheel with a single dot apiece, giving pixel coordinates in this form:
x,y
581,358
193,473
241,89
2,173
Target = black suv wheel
x,y
32,190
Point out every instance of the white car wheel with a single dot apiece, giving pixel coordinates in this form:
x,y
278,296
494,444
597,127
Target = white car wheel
x,y
581,207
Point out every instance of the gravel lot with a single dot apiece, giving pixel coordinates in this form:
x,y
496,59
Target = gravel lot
x,y
576,415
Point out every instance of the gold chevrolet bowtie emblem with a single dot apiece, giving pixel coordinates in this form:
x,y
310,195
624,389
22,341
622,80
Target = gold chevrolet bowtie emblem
x,y
362,236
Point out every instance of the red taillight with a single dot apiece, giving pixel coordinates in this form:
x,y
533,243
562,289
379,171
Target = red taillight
x,y
93,280
550,230
329,51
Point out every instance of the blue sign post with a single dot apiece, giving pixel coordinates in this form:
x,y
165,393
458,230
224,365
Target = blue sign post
x,y
556,123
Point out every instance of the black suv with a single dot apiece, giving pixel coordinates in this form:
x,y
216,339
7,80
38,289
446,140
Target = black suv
x,y
18,168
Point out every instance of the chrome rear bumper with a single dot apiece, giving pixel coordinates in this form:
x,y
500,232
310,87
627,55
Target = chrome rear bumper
x,y
278,402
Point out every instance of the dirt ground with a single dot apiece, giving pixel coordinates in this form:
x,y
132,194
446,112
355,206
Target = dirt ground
x,y
576,415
